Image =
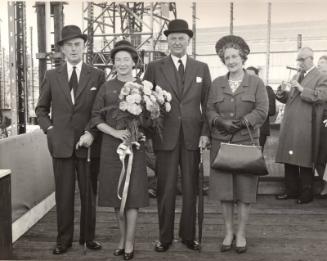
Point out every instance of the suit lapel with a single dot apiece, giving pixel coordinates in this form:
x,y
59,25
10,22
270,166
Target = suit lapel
x,y
63,80
225,85
190,74
168,69
83,80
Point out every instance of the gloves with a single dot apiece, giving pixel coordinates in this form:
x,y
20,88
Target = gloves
x,y
240,123
228,126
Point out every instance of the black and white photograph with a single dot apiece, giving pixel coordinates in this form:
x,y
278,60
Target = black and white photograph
x,y
180,130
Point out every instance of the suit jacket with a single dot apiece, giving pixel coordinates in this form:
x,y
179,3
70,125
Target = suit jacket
x,y
265,128
69,120
297,140
188,107
250,100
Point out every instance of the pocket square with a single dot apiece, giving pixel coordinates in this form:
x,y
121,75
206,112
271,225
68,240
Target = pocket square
x,y
198,79
93,89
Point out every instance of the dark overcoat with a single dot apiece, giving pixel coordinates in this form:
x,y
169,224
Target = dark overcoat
x,y
297,141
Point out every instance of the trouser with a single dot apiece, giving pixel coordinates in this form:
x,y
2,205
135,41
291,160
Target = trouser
x,y
167,169
65,171
298,180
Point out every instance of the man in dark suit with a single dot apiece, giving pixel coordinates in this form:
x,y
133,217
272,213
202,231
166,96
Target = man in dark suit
x,y
184,131
68,92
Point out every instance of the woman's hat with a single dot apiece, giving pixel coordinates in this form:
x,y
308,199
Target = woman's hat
x,y
69,32
178,26
232,39
124,45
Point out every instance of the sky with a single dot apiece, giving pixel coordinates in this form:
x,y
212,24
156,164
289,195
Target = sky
x,y
209,13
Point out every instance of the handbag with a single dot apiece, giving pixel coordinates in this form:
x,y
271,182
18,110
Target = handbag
x,y
238,158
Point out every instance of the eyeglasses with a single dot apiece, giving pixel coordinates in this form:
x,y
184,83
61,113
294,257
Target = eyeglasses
x,y
302,59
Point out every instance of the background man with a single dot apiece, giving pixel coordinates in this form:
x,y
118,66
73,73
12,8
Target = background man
x,y
297,142
68,92
184,131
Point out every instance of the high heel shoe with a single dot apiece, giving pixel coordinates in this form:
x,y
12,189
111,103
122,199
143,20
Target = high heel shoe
x,y
119,252
241,249
128,256
225,248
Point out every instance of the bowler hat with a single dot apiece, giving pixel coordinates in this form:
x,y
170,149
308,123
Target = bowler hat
x,y
232,39
124,45
178,26
69,32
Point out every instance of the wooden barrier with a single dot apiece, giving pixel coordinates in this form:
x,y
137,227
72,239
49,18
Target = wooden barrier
x,y
5,215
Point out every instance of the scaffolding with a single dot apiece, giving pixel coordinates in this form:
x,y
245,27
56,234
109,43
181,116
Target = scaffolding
x,y
142,23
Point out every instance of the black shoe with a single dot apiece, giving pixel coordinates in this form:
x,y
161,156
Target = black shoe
x,y
93,245
161,247
225,248
304,200
192,244
128,256
152,193
322,196
119,252
240,250
286,196
61,249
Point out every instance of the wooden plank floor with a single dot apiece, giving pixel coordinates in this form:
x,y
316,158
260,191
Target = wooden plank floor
x,y
277,230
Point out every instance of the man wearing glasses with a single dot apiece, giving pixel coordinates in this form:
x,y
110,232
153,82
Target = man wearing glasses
x,y
298,145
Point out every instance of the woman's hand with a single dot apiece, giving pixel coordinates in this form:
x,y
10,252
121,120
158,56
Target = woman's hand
x,y
227,126
123,135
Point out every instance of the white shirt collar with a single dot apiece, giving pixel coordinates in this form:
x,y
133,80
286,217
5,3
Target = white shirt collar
x,y
78,69
306,72
176,59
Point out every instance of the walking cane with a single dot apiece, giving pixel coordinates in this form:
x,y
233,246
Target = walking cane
x,y
200,199
87,194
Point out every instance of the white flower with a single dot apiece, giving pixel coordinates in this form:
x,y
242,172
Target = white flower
x,y
167,95
158,89
134,109
130,99
147,85
123,105
137,98
167,107
125,90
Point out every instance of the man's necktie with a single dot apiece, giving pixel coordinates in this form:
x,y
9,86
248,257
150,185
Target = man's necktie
x,y
301,76
73,83
181,70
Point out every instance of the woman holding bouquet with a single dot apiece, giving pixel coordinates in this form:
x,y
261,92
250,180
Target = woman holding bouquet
x,y
235,99
104,117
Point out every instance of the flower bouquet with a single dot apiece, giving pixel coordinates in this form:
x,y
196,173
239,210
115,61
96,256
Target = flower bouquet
x,y
140,107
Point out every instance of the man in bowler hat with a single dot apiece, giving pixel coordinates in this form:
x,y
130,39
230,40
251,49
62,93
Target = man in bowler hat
x,y
184,131
68,92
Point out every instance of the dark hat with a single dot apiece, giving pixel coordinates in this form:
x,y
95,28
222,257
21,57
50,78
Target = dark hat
x,y
124,45
69,32
232,39
178,26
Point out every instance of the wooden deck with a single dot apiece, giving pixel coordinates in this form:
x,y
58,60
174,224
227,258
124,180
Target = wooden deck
x,y
277,230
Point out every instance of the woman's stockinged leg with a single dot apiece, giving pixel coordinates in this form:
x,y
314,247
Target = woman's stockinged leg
x,y
131,220
122,229
228,213
243,216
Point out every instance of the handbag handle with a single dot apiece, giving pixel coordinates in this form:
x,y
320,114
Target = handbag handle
x,y
249,131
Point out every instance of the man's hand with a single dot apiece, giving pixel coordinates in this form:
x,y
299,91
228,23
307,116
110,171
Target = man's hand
x,y
325,122
85,140
204,142
295,84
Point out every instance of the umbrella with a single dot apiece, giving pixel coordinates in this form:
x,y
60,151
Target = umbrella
x,y
87,195
200,200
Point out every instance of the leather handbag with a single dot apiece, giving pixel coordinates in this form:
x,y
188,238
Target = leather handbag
x,y
238,158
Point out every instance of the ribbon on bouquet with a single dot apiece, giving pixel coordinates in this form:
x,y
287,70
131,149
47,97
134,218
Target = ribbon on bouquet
x,y
123,150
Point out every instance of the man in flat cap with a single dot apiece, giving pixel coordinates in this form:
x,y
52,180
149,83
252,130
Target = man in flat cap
x,y
68,92
184,131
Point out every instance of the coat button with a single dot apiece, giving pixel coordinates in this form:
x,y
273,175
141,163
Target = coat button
x,y
232,99
231,114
